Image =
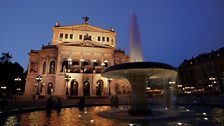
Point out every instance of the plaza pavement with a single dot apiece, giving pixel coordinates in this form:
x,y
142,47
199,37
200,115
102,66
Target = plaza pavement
x,y
27,104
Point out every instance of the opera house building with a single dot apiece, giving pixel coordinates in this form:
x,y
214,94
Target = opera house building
x,y
72,63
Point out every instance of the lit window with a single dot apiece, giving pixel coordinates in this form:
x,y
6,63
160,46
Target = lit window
x,y
71,36
98,38
66,36
103,39
80,37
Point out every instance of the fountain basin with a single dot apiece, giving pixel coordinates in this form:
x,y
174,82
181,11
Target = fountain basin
x,y
137,73
123,114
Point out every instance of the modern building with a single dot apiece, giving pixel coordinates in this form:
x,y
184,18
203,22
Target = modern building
x,y
204,73
72,64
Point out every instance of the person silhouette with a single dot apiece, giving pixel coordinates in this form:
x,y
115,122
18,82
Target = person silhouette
x,y
81,103
49,105
58,105
116,101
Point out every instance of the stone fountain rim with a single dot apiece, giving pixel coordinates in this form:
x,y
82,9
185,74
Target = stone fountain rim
x,y
166,114
138,65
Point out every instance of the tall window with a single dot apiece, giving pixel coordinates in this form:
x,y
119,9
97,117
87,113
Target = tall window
x,y
103,39
99,87
66,36
98,38
71,36
80,37
44,68
64,66
52,67
107,39
50,88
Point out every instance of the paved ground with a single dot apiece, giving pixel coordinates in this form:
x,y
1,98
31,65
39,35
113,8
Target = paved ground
x,y
22,103
30,104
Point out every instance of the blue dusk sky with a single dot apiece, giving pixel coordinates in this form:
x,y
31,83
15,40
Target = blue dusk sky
x,y
170,30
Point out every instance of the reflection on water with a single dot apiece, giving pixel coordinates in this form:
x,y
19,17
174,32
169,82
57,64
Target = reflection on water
x,y
189,116
218,115
68,117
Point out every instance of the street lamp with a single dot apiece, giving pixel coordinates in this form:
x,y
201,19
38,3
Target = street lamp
x,y
17,80
38,79
106,63
81,61
81,64
109,81
69,64
3,90
67,78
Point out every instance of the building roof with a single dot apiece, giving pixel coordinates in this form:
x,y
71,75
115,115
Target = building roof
x,y
204,57
84,27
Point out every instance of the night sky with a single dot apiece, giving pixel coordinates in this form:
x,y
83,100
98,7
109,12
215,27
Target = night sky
x,y
170,30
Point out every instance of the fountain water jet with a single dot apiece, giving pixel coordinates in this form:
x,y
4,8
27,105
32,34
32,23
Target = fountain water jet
x,y
135,52
137,72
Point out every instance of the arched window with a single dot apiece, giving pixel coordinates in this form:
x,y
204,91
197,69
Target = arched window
x,y
44,68
85,63
99,87
52,67
95,63
86,88
75,63
74,87
64,66
50,88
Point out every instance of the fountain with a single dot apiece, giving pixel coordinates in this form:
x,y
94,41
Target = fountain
x,y
137,72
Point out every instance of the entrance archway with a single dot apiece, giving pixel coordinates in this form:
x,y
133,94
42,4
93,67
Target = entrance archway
x,y
49,88
99,87
74,87
86,88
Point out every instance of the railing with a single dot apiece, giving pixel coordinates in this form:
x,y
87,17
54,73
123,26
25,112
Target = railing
x,y
85,69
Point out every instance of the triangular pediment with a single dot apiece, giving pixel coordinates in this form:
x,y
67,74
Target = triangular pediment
x,y
84,27
87,43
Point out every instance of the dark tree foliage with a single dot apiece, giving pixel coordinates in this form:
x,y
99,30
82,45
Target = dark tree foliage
x,y
6,57
8,72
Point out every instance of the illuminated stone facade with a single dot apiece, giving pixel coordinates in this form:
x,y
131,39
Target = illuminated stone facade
x,y
81,52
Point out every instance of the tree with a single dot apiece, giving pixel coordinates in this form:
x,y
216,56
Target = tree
x,y
6,57
8,72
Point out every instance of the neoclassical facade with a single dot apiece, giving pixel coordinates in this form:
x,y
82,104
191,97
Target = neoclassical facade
x,y
73,62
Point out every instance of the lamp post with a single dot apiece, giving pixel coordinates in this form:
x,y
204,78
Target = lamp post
x,y
69,64
106,63
109,81
81,64
17,80
38,79
67,78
